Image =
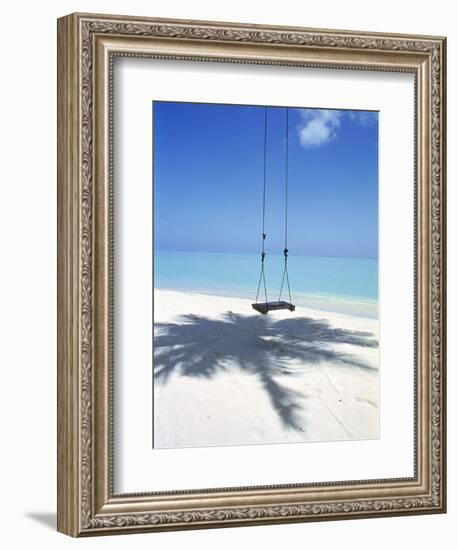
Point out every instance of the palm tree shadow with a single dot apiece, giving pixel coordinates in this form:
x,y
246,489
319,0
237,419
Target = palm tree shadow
x,y
200,347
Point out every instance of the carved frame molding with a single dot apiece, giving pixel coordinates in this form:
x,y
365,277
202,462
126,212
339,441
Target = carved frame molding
x,y
87,45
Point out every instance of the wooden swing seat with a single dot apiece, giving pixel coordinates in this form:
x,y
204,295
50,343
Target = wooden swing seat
x,y
271,306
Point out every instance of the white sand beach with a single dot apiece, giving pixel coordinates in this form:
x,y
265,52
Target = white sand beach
x,y
226,375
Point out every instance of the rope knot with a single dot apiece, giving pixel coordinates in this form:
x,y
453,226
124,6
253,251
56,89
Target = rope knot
x,y
285,252
264,236
263,255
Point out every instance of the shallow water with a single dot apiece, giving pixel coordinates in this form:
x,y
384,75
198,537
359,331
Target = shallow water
x,y
346,285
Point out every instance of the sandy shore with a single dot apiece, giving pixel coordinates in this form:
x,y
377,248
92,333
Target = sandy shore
x,y
226,375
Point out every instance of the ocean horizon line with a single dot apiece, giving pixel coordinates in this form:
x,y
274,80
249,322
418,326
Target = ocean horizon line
x,y
258,252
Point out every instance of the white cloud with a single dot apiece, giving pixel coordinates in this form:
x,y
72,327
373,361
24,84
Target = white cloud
x,y
320,126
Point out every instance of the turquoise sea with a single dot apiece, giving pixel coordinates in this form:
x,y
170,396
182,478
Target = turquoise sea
x,y
346,285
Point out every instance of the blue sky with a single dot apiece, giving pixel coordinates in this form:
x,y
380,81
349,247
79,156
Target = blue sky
x,y
208,177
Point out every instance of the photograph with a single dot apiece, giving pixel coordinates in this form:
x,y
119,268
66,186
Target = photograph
x,y
251,271
266,274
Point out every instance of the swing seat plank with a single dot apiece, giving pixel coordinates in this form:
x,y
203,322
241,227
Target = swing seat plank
x,y
265,307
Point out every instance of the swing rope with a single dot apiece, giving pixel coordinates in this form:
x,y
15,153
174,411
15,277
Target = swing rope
x,y
262,276
285,276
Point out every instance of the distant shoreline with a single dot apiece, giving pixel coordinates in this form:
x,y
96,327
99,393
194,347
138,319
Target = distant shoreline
x,y
358,307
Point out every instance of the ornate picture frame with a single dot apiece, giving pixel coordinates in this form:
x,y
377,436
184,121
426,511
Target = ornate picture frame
x,y
87,46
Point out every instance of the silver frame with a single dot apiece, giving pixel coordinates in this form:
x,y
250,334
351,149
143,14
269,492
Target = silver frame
x,y
87,45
